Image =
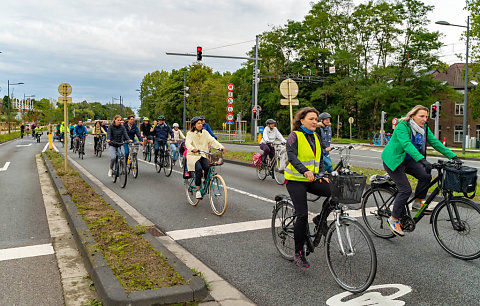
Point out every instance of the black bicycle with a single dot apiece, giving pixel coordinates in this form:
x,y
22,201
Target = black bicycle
x,y
455,220
164,159
147,150
81,146
99,147
120,165
349,250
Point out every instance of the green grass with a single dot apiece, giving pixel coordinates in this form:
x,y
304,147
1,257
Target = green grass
x,y
7,137
459,154
239,156
347,140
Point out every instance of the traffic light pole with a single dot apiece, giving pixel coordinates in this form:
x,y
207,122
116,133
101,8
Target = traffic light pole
x,y
437,120
382,127
255,83
185,102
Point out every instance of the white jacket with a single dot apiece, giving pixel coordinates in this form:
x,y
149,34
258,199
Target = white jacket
x,y
178,135
271,135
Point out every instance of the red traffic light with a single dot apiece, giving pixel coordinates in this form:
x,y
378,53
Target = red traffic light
x,y
199,49
199,53
434,107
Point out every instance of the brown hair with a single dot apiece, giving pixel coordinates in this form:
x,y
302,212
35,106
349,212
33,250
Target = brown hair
x,y
115,118
301,114
130,116
413,112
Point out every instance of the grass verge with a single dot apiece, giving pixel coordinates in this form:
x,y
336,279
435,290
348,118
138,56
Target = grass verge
x,y
459,154
132,259
7,137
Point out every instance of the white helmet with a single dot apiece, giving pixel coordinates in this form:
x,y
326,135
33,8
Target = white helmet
x,y
175,125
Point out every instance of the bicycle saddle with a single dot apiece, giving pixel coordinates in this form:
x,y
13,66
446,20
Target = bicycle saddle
x,y
380,179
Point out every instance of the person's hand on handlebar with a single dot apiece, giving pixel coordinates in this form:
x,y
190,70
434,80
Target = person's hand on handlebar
x,y
108,140
428,166
309,175
328,149
194,150
224,150
457,160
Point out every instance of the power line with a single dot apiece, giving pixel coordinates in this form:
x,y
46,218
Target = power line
x,y
234,44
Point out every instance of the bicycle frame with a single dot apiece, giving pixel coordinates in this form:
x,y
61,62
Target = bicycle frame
x,y
204,187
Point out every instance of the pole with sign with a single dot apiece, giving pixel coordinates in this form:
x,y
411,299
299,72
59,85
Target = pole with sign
x,y
394,123
351,120
289,89
65,90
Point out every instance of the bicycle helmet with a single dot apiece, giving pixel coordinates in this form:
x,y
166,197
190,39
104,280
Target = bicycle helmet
x,y
195,120
270,121
175,125
324,116
161,118
145,119
201,117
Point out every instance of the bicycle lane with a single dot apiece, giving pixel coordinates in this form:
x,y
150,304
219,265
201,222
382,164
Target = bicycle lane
x,y
245,255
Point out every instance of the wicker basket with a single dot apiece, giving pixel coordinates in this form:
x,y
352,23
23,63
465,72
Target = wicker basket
x,y
215,159
348,189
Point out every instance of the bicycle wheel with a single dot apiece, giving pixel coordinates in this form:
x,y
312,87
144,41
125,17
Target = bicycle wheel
x,y
134,166
167,165
261,172
277,175
351,255
190,191
181,160
145,153
283,220
158,164
377,205
123,173
149,153
100,151
116,170
218,195
456,226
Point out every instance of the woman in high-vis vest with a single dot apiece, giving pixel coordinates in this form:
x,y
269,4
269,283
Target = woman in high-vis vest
x,y
305,159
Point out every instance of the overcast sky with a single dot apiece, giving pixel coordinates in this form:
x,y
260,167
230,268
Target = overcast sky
x,y
104,48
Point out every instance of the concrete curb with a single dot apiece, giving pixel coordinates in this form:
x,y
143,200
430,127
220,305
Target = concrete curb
x,y
107,285
236,162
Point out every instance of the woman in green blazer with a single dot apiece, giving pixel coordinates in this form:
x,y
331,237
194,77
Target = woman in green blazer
x,y
405,154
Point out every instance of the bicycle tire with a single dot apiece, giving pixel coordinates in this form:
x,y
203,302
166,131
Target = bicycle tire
x,y
158,164
99,152
190,191
277,175
181,160
134,166
365,256
123,173
261,172
217,186
283,220
116,170
467,230
375,217
167,165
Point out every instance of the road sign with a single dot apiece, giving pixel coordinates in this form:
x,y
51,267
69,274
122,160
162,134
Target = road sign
x,y
394,121
230,109
64,99
230,117
351,120
331,69
230,93
260,129
289,88
230,100
230,87
64,89
287,101
230,122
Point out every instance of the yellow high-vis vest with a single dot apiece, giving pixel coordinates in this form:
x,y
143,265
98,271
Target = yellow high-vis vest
x,y
305,155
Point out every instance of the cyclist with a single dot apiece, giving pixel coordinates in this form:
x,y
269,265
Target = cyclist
x,y
98,132
22,130
33,130
132,130
145,128
197,140
305,159
80,132
118,134
177,135
270,135
207,127
324,130
405,154
161,132
71,129
62,131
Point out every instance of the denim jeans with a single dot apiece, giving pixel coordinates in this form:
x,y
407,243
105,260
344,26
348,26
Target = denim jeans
x,y
173,147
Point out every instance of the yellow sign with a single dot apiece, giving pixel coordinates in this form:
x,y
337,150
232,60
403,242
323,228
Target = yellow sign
x,y
64,89
64,99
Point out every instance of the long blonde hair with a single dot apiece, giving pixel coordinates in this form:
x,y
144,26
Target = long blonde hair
x,y
413,112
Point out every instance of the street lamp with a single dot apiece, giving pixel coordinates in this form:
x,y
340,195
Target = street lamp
x,y
464,138
9,102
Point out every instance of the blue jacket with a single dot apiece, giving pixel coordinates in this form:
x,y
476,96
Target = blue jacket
x,y
207,128
80,131
325,134
133,131
162,131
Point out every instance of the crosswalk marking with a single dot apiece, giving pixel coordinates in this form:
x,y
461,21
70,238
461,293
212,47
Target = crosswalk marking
x,y
25,252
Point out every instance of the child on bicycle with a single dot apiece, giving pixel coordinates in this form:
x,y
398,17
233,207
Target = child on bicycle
x,y
405,154
324,130
199,140
270,136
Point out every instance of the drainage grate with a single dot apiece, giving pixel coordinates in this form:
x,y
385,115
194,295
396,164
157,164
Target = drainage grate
x,y
155,231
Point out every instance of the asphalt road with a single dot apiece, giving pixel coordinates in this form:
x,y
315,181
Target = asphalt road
x,y
23,223
413,269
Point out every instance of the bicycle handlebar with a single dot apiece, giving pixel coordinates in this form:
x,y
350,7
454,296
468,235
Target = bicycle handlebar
x,y
210,153
446,163
341,148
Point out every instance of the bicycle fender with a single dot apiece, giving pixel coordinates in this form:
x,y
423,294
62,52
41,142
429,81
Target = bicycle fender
x,y
350,218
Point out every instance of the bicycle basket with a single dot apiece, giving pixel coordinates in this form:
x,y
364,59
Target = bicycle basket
x,y
215,159
133,147
460,179
348,189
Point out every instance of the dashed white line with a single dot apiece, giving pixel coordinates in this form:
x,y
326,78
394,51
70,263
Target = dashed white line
x,y
25,252
24,145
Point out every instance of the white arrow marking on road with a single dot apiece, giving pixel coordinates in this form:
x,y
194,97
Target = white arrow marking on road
x,y
24,145
4,168
28,251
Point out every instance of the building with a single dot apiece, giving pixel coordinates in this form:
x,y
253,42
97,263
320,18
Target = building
x,y
451,119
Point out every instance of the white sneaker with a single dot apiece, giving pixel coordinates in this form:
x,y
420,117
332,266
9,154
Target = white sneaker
x,y
198,195
109,172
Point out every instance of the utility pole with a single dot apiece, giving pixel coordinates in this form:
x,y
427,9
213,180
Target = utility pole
x,y
256,81
382,126
185,102
437,120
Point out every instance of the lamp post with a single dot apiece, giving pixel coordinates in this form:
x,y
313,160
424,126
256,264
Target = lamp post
x,y
464,136
9,102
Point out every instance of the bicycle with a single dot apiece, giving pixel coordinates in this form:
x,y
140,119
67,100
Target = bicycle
x,y
120,165
99,147
21,134
164,160
81,146
343,164
213,184
147,152
38,135
177,143
451,219
378,140
274,166
132,159
349,250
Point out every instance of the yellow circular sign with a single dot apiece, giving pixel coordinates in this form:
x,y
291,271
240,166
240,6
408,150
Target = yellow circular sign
x,y
289,88
64,89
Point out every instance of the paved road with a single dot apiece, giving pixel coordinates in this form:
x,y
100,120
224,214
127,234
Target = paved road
x,y
32,280
244,254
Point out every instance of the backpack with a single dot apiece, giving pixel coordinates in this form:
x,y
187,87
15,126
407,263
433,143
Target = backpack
x,y
257,159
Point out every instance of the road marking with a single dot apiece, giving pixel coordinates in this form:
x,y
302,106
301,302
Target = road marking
x,y
5,167
371,297
46,147
25,252
23,145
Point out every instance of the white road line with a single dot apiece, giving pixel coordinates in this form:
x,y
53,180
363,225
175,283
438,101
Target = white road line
x,y
54,147
25,252
24,145
44,148
5,167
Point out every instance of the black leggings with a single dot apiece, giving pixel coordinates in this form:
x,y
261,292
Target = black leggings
x,y
298,194
95,141
201,164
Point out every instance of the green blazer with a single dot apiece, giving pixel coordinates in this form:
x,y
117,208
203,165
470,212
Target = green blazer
x,y
401,143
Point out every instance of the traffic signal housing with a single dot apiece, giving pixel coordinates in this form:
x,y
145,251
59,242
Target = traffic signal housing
x,y
199,53
384,117
433,111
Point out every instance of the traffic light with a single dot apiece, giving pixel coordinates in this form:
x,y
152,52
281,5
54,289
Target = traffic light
x,y
260,114
433,111
255,113
199,53
384,117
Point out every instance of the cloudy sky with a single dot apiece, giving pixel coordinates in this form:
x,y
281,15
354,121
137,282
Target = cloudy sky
x,y
104,48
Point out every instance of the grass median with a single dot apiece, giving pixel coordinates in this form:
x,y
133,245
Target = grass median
x,y
132,259
7,137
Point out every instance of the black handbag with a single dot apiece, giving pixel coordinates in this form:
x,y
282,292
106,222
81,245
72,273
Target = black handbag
x,y
460,179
